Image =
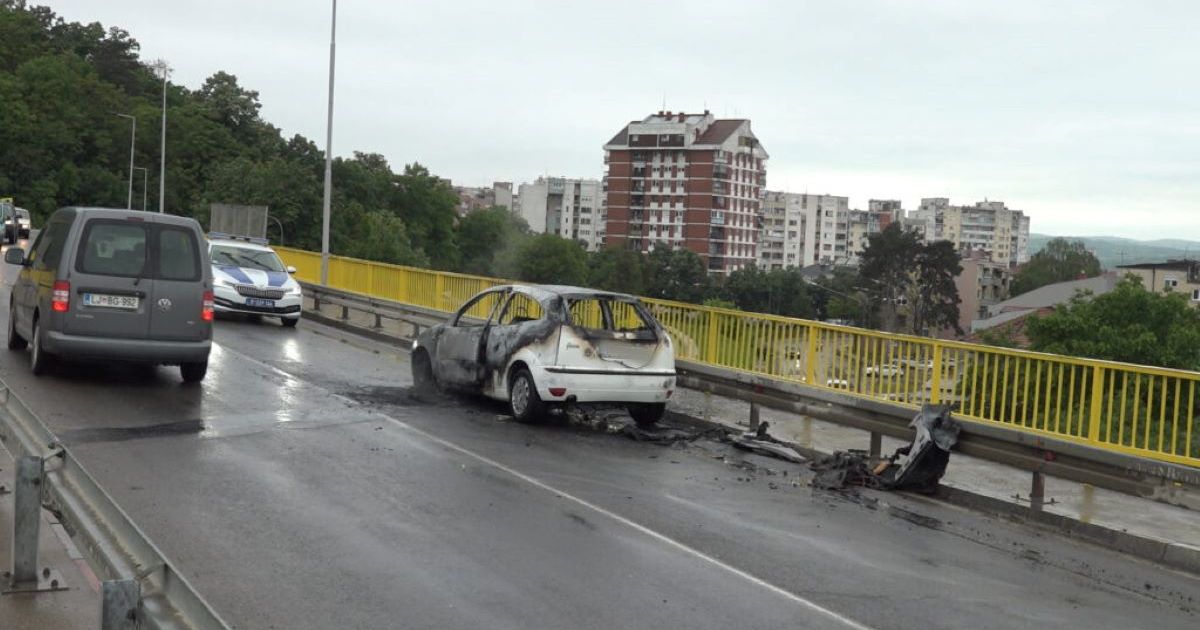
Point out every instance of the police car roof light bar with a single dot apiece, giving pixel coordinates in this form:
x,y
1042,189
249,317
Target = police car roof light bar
x,y
235,237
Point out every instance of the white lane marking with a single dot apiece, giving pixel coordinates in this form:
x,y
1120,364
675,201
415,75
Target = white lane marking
x,y
663,538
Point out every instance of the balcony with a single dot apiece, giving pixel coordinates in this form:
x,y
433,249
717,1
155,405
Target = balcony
x,y
721,172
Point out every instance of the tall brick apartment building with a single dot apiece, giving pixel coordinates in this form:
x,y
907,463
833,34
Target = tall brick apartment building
x,y
686,181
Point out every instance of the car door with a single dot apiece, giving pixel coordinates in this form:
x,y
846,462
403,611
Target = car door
x,y
177,290
36,277
460,347
111,279
522,323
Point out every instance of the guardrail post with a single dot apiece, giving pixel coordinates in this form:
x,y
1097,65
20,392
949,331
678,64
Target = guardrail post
x,y
810,370
710,348
1093,432
316,296
1037,494
27,519
439,285
378,320
876,445
345,312
120,604
935,396
754,416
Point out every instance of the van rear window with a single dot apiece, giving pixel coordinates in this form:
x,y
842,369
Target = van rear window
x,y
113,249
178,257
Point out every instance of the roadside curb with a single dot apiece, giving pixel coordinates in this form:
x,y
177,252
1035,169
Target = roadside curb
x,y
1176,555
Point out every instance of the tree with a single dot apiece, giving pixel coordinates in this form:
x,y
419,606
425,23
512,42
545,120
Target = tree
x,y
897,267
619,270
935,306
549,259
779,291
486,237
676,274
1127,324
1060,260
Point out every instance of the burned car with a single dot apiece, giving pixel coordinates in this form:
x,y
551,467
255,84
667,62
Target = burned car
x,y
544,346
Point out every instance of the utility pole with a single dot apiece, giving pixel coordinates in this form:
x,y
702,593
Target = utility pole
x,y
161,64
132,143
328,155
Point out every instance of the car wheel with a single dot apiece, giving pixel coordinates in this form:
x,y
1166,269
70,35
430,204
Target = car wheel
x,y
290,322
647,414
193,372
523,398
424,380
15,340
39,359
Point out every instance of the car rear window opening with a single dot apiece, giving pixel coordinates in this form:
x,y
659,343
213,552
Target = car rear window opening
x,y
119,248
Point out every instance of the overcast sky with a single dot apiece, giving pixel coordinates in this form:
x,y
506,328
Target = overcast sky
x,y
1084,114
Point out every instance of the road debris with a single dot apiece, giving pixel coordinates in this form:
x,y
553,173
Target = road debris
x,y
763,443
918,466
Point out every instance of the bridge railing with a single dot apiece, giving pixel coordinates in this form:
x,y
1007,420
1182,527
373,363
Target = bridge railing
x,y
1131,409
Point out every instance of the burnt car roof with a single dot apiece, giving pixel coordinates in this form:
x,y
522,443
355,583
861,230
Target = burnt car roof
x,y
547,290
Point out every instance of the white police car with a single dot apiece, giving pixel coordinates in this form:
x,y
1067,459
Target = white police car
x,y
249,277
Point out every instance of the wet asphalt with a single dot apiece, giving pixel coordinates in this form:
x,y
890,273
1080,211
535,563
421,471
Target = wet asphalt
x,y
303,485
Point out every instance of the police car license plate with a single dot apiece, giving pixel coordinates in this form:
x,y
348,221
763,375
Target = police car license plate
x,y
129,302
260,302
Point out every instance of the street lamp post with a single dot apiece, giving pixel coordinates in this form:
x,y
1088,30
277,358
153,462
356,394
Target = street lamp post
x,y
161,64
145,182
132,143
328,155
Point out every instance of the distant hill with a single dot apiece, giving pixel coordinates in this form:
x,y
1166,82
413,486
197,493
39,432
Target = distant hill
x,y
1114,250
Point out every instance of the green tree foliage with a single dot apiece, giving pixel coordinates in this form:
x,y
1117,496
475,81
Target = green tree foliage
x,y
1127,324
897,267
677,274
548,259
488,239
619,270
61,82
779,291
1060,260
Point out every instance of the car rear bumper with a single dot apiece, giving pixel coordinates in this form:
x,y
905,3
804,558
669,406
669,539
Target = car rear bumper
x,y
228,300
594,386
135,350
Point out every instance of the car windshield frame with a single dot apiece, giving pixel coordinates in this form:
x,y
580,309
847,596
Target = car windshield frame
x,y
244,257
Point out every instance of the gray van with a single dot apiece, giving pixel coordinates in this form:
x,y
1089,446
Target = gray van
x,y
114,285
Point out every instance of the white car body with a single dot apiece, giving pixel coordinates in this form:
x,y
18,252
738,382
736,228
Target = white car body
x,y
570,362
249,277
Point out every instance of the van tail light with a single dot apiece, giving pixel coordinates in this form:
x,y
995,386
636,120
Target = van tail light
x,y
60,302
206,311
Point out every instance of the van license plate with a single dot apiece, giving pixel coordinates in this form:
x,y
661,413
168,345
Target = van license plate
x,y
260,302
110,301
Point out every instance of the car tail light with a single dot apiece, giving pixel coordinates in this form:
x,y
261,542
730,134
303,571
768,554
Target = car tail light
x,y
61,300
557,391
206,311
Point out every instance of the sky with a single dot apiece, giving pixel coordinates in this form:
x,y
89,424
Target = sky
x,y
1082,114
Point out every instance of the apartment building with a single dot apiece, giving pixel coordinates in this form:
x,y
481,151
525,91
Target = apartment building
x,y
570,208
1173,276
987,226
686,181
799,229
471,198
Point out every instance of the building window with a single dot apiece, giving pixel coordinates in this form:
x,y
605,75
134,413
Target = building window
x,y
1170,283
1196,295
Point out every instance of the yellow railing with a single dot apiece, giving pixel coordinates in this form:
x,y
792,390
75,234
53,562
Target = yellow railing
x,y
1145,411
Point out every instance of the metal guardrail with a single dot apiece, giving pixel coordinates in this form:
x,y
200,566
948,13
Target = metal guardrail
x,y
1147,412
141,588
1038,454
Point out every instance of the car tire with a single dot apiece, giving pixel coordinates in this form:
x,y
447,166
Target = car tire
x,y
15,340
193,372
39,359
647,414
523,398
289,322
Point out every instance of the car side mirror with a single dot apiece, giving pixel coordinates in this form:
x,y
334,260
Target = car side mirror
x,y
291,269
14,256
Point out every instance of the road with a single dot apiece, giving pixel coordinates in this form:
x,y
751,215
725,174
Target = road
x,y
302,486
